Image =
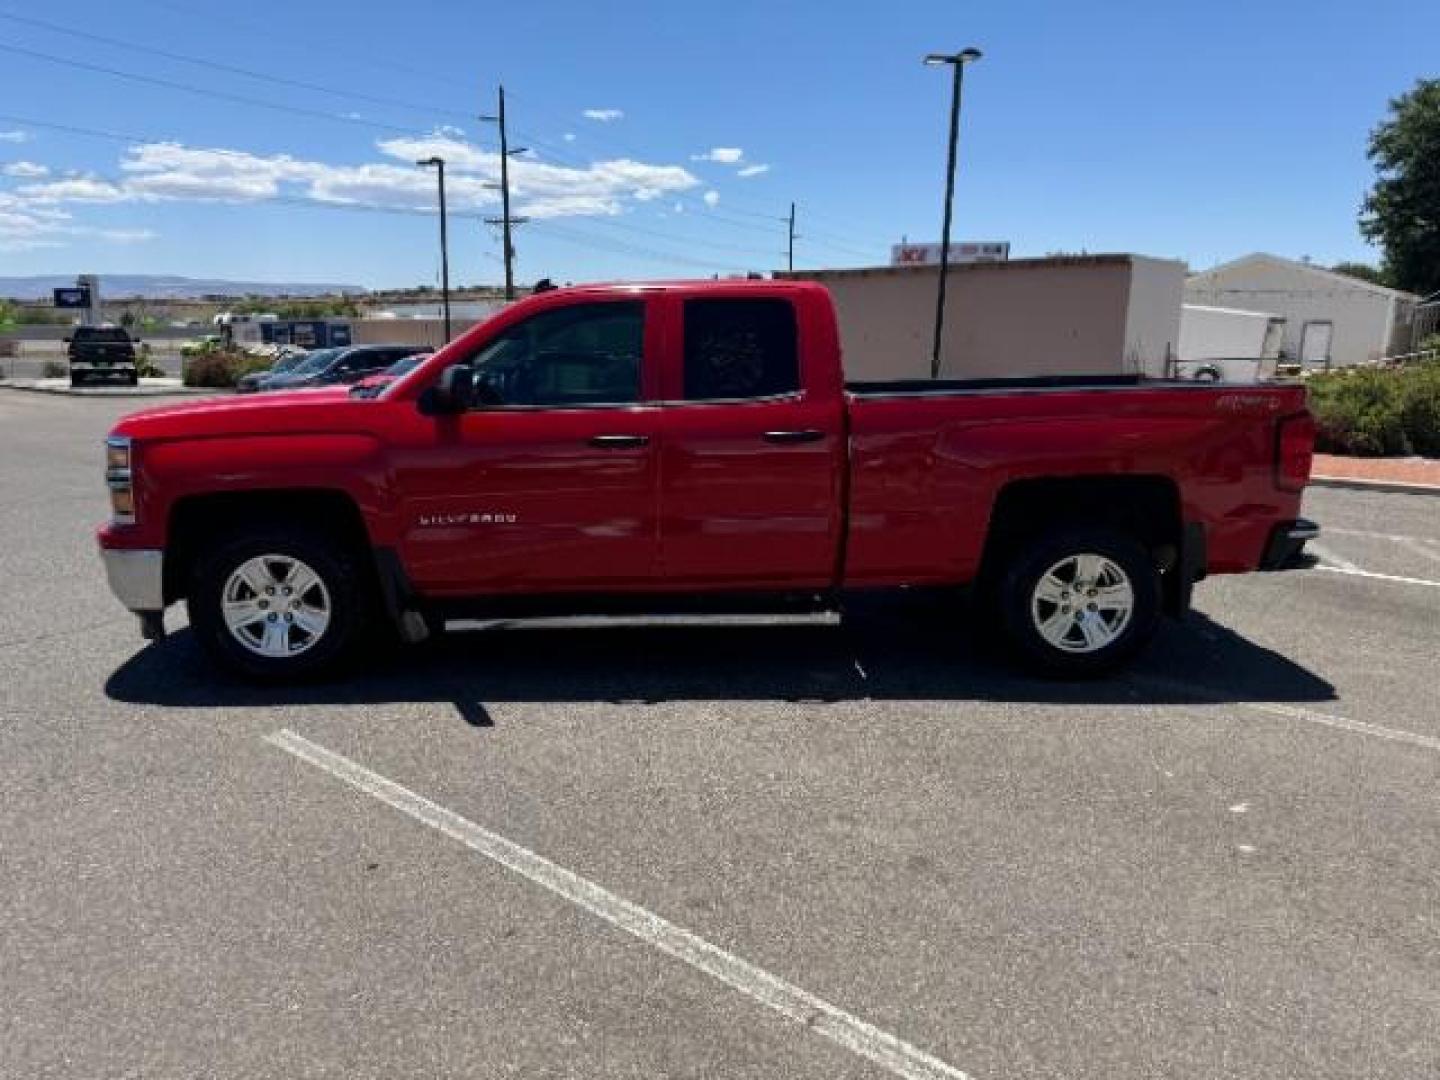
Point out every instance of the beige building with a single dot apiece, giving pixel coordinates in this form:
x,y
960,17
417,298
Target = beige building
x,y
1330,318
1065,315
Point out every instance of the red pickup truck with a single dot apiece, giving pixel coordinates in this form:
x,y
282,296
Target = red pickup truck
x,y
684,445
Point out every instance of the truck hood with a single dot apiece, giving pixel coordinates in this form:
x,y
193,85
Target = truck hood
x,y
302,410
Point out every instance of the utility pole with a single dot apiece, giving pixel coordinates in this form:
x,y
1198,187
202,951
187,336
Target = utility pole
x,y
505,221
438,163
790,249
957,61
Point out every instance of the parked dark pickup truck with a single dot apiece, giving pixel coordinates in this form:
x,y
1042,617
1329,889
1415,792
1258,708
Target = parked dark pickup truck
x,y
102,352
643,446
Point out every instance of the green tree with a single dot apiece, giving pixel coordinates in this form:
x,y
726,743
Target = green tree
x,y
1402,211
1363,271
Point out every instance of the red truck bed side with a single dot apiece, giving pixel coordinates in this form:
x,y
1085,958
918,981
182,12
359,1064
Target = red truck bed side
x,y
928,469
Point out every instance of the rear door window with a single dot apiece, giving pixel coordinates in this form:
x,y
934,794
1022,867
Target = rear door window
x,y
740,348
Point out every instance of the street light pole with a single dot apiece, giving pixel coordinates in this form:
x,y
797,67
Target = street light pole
x,y
957,61
439,165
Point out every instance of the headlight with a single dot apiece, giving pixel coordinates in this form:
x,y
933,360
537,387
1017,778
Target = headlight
x,y
120,479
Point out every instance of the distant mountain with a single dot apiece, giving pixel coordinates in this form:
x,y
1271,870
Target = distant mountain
x,y
165,287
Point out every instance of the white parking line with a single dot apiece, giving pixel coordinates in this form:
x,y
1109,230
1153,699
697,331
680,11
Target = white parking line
x,y
1420,545
1292,712
854,1034
1337,531
1325,555
1354,571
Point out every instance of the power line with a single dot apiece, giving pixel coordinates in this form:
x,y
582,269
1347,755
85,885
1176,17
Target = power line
x,y
219,95
832,243
372,57
248,156
731,213
211,64
626,248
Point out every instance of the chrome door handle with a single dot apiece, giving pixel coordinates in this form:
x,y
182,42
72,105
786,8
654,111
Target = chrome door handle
x,y
785,438
618,442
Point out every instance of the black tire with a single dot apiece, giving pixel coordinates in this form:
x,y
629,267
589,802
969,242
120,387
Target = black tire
x,y
1208,374
76,381
1022,609
345,589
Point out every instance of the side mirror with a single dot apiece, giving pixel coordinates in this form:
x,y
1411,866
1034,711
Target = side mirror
x,y
453,392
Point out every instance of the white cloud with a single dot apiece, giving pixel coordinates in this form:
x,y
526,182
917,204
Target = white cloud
x,y
75,189
604,116
25,228
9,245
711,197
569,136
168,172
733,156
25,170
721,155
119,236
14,136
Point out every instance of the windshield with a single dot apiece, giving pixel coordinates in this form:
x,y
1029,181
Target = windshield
x,y
86,333
405,365
315,362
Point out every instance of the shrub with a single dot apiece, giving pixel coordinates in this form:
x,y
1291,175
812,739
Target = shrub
x,y
1420,408
145,366
221,369
54,369
1378,411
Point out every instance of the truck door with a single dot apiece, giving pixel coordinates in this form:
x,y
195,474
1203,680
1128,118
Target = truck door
x,y
550,484
750,461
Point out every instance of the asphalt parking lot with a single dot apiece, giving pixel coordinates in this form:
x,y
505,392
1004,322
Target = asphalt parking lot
x,y
859,850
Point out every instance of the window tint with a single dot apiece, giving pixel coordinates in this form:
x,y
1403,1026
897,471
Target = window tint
x,y
355,361
740,349
588,354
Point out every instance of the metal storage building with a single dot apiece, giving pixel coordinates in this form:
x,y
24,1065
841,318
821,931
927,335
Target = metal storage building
x,y
1330,318
1060,315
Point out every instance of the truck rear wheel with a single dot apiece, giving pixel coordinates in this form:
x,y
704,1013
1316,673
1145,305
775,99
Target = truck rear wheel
x,y
1080,602
277,605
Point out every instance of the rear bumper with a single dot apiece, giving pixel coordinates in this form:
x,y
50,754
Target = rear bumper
x,y
137,577
1287,541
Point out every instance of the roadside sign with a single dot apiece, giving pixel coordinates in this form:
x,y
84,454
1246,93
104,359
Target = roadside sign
x,y
77,296
964,251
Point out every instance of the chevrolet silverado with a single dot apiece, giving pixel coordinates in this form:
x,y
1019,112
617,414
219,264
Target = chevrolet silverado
x,y
647,447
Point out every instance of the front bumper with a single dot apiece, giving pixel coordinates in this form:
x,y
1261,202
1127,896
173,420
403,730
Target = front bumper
x,y
1287,541
137,577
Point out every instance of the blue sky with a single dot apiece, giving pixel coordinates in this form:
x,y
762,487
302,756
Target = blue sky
x,y
1192,131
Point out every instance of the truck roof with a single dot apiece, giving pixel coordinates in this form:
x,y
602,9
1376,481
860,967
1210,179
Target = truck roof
x,y
689,285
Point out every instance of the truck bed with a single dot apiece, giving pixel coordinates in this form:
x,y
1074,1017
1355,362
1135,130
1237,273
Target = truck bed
x,y
929,460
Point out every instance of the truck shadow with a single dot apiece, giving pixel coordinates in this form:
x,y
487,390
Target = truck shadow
x,y
896,650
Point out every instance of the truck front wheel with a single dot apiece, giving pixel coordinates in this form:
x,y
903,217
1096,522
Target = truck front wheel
x,y
277,605
1080,602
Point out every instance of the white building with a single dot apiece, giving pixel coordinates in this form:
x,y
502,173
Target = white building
x,y
1330,318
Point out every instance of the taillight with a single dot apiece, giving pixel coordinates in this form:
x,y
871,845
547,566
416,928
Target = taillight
x,y
1294,449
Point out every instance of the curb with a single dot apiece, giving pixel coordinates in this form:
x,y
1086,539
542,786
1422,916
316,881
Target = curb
x,y
1395,487
117,393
